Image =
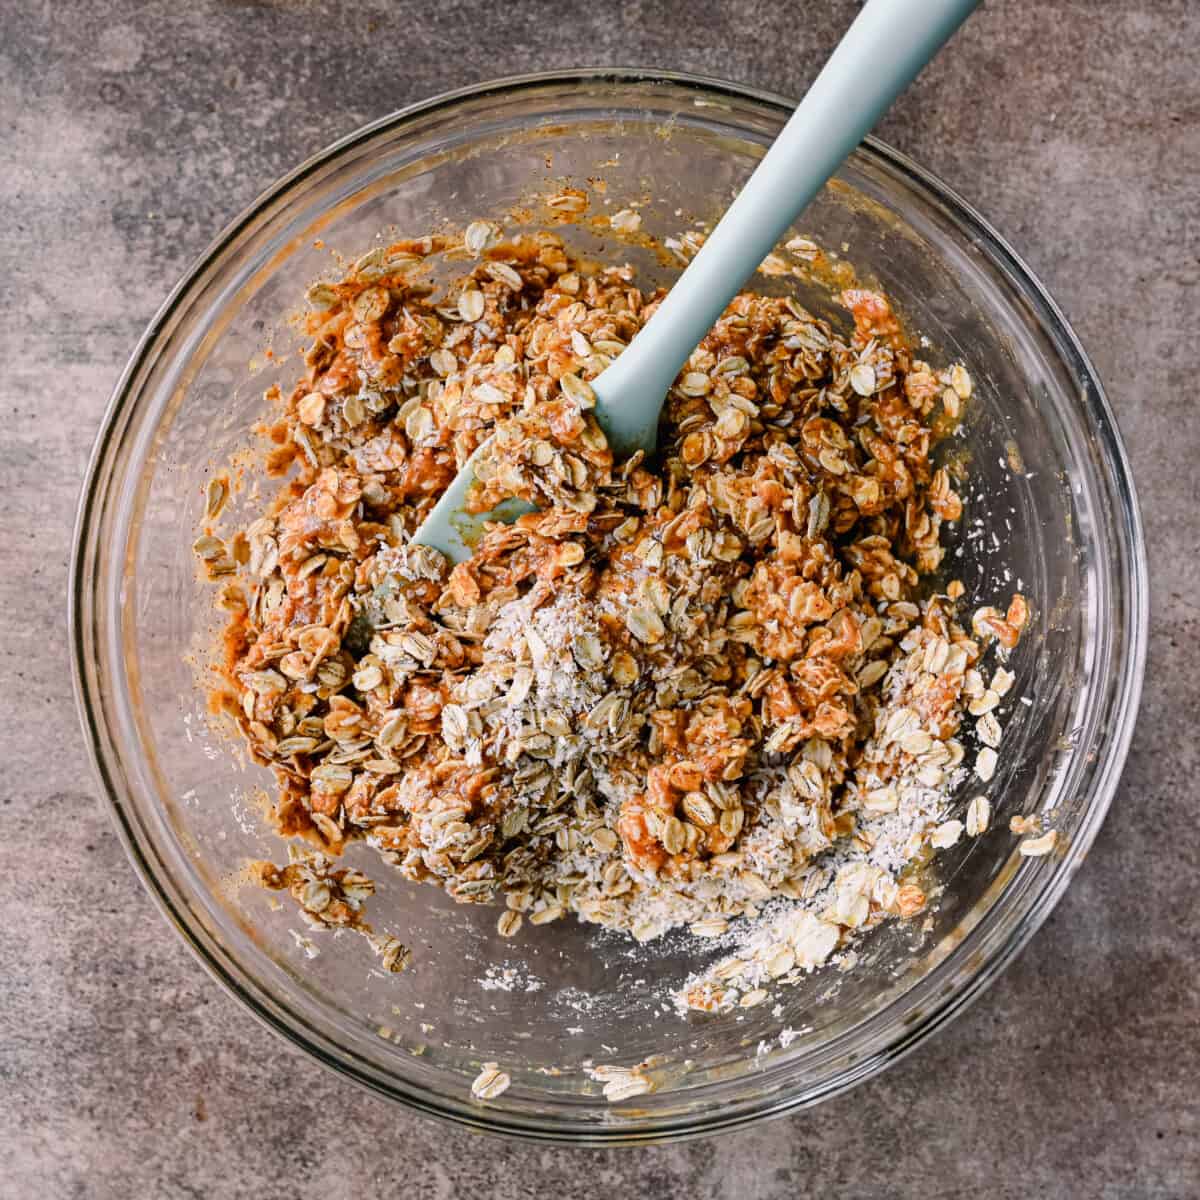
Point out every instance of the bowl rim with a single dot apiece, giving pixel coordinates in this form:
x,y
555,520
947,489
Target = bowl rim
x,y
941,1009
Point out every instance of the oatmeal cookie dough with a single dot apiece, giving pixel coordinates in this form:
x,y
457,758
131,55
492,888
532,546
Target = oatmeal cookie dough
x,y
684,687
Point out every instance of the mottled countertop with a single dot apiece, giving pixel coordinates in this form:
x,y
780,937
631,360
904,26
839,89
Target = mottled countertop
x,y
131,132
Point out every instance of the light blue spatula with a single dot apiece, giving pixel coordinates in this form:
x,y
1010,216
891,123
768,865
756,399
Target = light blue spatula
x,y
885,48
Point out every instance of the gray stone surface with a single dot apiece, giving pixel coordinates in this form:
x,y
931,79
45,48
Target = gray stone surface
x,y
130,133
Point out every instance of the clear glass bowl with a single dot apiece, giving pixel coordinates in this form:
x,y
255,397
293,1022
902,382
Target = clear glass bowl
x,y
1065,524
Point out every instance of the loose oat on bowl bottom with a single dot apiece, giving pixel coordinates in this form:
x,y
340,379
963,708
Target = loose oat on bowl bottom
x,y
683,688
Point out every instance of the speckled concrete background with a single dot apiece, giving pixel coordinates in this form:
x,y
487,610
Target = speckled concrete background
x,y
130,134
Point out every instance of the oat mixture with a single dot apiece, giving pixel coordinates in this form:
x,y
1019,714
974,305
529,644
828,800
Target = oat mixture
x,y
683,689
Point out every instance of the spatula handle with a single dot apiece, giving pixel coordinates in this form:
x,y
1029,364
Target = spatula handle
x,y
881,53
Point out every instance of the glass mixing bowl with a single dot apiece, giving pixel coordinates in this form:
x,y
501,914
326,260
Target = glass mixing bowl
x,y
1050,484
